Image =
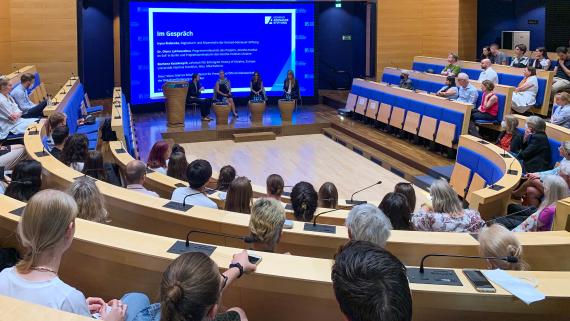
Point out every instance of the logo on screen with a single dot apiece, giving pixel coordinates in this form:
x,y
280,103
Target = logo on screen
x,y
268,20
276,20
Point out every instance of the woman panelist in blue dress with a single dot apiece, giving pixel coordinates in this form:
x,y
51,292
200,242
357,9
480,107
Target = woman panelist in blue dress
x,y
291,87
256,89
223,92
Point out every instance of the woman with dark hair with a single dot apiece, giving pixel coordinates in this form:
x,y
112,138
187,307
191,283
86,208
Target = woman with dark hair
x,y
328,195
520,60
191,289
489,108
486,53
96,168
449,91
524,96
304,200
26,180
177,165
177,148
74,151
239,196
407,189
291,86
225,178
256,89
541,60
158,155
397,209
223,92
274,185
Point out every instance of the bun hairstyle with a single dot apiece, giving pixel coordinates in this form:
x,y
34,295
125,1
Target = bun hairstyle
x,y
497,240
275,185
43,225
304,199
189,288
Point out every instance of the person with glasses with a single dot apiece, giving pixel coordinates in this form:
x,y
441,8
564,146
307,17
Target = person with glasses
x,y
191,289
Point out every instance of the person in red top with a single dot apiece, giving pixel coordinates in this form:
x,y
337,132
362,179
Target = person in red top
x,y
489,107
510,139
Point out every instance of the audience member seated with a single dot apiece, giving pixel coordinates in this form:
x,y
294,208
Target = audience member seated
x,y
135,175
509,138
535,151
195,89
561,110
486,53
90,202
239,196
177,165
96,168
223,92
20,95
452,69
45,232
489,107
467,93
366,222
396,208
561,81
541,60
497,56
198,174
11,155
370,284
158,156
266,224
177,148
498,241
74,151
304,200
225,178
58,135
448,91
407,189
191,289
26,180
488,73
11,120
524,96
405,81
446,213
328,195
55,120
274,185
555,189
520,60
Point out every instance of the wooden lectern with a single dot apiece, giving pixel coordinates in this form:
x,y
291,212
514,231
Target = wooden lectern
x,y
175,93
286,108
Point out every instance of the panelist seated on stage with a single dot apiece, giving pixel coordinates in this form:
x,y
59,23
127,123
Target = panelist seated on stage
x,y
223,92
291,87
194,91
12,120
20,95
198,173
256,89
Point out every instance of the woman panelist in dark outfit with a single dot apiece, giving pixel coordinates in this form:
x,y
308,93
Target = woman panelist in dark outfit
x,y
194,91
256,89
291,86
223,92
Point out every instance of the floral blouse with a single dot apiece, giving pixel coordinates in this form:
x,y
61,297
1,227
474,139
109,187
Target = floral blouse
x,y
442,222
538,221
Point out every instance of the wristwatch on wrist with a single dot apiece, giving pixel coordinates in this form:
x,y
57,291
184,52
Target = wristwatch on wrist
x,y
239,267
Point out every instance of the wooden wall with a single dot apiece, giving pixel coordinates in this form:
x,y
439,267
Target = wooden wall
x,y
408,28
42,33
5,53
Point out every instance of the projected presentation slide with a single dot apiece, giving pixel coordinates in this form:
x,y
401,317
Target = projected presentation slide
x,y
171,41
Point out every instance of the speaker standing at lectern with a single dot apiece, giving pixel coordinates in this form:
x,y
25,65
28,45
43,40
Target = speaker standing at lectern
x,y
291,87
194,91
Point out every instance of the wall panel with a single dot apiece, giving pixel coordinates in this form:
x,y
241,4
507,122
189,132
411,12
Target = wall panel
x,y
5,54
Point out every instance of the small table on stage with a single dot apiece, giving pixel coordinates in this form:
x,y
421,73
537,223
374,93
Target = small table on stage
x,y
256,108
222,112
175,93
286,108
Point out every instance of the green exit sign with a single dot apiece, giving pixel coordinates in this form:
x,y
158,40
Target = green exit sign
x,y
347,37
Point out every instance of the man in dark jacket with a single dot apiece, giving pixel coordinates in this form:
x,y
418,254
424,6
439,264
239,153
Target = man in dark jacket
x,y
535,152
194,91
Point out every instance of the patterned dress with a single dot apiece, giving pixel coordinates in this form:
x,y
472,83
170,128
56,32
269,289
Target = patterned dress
x,y
429,221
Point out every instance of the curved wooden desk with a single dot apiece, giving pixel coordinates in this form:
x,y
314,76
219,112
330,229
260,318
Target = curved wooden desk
x,y
12,309
125,261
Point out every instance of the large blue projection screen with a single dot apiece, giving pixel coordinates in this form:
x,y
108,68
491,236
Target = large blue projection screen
x,y
171,41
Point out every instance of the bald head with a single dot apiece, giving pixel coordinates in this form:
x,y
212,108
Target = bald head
x,y
136,170
485,63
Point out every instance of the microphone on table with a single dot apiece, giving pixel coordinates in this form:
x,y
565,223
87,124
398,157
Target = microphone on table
x,y
352,201
317,216
246,239
185,197
117,110
510,259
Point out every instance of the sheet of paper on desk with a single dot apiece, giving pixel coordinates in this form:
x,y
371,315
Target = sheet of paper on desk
x,y
517,287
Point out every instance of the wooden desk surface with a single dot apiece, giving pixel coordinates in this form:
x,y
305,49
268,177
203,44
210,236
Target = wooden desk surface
x,y
14,77
12,309
62,97
125,260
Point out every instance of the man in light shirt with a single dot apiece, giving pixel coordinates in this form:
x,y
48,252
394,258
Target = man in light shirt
x,y
199,173
467,93
20,95
487,72
135,176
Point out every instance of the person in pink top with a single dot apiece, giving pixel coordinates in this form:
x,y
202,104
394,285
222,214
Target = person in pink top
x,y
489,107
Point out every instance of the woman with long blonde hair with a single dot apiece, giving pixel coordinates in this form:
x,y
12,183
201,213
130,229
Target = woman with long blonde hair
x,y
497,241
90,202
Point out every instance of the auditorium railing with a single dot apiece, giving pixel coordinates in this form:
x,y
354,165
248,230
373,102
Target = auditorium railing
x,y
507,76
140,212
284,286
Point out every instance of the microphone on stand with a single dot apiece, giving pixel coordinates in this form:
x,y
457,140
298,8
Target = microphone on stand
x,y
246,239
185,197
353,202
317,216
510,259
